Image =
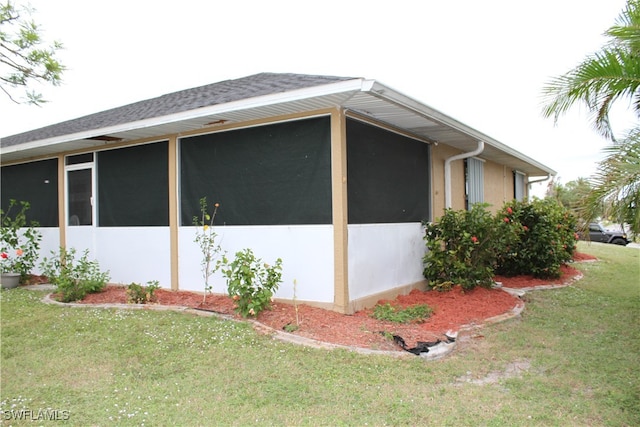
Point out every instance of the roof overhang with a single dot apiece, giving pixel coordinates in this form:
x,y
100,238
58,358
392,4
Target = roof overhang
x,y
365,97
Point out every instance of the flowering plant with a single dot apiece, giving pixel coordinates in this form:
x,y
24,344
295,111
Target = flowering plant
x,y
19,243
11,263
206,239
546,238
462,249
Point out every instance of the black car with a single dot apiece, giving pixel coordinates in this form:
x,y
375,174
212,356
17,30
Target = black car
x,y
599,234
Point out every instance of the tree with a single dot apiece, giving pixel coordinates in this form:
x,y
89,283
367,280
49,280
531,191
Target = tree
x,y
23,58
572,196
602,79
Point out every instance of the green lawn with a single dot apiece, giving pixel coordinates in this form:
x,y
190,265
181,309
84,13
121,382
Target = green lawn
x,y
571,359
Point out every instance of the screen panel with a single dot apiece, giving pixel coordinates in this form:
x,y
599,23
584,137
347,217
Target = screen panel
x,y
278,174
36,183
133,186
388,176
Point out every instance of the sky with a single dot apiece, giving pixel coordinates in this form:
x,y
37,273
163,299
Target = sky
x,y
484,63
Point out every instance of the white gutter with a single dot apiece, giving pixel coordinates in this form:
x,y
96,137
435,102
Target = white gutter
x,y
539,180
447,170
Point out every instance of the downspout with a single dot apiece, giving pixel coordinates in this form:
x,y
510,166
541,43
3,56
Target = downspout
x,y
447,171
539,180
533,182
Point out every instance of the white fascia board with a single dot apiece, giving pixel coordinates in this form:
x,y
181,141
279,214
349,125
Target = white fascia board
x,y
430,113
353,85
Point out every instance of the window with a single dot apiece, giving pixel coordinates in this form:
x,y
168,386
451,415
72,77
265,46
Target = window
x,y
474,171
36,183
276,174
387,176
519,185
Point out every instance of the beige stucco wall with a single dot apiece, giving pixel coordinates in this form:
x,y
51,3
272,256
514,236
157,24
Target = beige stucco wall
x,y
498,185
498,182
439,153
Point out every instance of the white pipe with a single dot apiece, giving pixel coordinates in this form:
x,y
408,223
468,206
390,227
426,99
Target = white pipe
x,y
447,171
539,180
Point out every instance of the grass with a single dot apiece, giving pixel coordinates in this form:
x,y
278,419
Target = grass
x,y
571,359
416,313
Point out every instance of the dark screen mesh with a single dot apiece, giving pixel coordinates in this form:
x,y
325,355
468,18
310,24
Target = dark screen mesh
x,y
133,186
36,183
276,174
388,176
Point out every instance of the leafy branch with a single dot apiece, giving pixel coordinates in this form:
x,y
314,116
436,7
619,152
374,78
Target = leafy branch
x,y
23,58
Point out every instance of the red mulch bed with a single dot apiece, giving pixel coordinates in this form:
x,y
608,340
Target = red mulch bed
x,y
451,310
567,273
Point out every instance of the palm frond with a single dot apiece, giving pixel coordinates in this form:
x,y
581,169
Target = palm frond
x,y
599,81
616,184
603,78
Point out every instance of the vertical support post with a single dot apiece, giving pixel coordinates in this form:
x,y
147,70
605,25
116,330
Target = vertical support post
x,y
62,216
339,212
173,211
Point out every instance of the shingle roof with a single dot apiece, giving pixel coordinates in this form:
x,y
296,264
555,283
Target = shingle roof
x,y
176,102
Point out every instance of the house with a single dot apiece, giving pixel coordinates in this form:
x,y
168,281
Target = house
x,y
332,174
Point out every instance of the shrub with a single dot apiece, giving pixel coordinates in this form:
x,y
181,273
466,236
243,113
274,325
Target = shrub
x,y
415,313
19,243
138,294
462,248
468,247
547,238
74,278
251,283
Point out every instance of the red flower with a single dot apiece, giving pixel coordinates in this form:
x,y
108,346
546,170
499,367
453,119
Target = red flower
x,y
474,239
506,219
525,228
509,211
4,255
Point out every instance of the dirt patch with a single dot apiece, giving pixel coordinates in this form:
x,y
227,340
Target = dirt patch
x,y
512,370
451,311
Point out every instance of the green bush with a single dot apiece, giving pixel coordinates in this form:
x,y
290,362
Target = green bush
x,y
74,278
462,248
547,238
415,313
138,294
469,247
251,283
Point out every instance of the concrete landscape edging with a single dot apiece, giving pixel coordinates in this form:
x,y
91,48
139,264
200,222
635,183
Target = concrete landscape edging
x,y
436,352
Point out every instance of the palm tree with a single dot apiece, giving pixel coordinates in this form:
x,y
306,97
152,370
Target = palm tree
x,y
611,75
